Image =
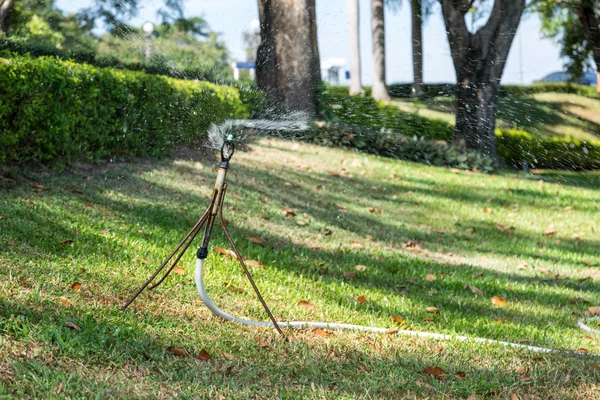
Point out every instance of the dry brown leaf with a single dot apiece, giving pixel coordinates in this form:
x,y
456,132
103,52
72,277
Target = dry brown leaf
x,y
544,271
596,367
257,240
594,310
470,230
321,332
349,274
514,396
225,252
460,375
487,210
520,370
72,325
504,228
438,350
178,352
375,210
433,310
76,286
204,356
356,245
143,260
306,304
361,268
582,350
499,301
65,302
550,231
288,213
254,263
361,299
178,270
397,319
436,372
233,288
430,277
476,290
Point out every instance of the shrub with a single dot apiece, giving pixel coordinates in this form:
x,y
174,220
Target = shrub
x,y
56,112
337,105
39,48
390,144
516,146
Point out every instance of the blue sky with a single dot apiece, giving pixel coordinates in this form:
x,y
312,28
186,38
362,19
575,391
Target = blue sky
x,y
536,55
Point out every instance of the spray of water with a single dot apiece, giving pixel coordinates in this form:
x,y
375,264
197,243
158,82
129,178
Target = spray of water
x,y
288,124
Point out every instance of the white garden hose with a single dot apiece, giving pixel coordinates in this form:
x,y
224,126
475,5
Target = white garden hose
x,y
328,325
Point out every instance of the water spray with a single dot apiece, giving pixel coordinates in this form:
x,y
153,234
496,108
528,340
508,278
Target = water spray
x,y
219,135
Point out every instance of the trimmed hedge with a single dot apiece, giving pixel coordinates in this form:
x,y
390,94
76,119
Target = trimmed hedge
x,y
337,105
34,48
390,144
55,112
514,146
430,90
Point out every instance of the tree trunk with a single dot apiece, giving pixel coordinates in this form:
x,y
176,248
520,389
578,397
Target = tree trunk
x,y
287,63
5,9
479,59
354,30
379,91
417,46
591,28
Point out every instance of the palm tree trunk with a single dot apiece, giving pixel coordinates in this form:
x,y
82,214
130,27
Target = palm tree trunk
x,y
417,47
354,30
379,91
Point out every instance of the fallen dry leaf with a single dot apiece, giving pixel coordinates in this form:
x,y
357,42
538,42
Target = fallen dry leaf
x,y
470,230
487,210
306,304
504,228
375,210
178,270
460,375
143,260
68,241
178,352
550,231
254,263
73,326
499,301
321,332
476,290
349,275
594,310
257,240
233,288
65,302
361,299
397,319
225,252
287,212
430,277
433,310
76,286
438,350
361,268
436,372
204,356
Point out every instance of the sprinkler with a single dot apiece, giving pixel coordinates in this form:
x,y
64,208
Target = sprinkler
x,y
207,220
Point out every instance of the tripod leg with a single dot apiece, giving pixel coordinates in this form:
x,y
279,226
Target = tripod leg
x,y
243,264
194,231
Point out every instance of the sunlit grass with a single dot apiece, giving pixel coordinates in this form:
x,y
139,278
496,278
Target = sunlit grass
x,y
542,114
108,227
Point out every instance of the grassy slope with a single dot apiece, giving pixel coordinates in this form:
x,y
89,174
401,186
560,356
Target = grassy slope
x,y
123,219
543,114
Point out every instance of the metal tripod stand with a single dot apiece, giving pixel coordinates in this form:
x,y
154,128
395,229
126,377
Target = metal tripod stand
x,y
207,220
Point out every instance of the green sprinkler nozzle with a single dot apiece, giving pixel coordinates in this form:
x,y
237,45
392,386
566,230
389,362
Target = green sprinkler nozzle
x,y
230,138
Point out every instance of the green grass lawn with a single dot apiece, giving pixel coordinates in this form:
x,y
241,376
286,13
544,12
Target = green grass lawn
x,y
542,114
428,237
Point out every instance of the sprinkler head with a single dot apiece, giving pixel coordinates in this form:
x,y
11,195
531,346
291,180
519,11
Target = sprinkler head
x,y
227,151
230,138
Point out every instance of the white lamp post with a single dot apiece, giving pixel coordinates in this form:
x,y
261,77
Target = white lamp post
x,y
148,29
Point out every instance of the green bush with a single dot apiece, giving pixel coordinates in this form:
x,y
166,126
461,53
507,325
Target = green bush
x,y
337,105
25,46
516,146
56,112
390,144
